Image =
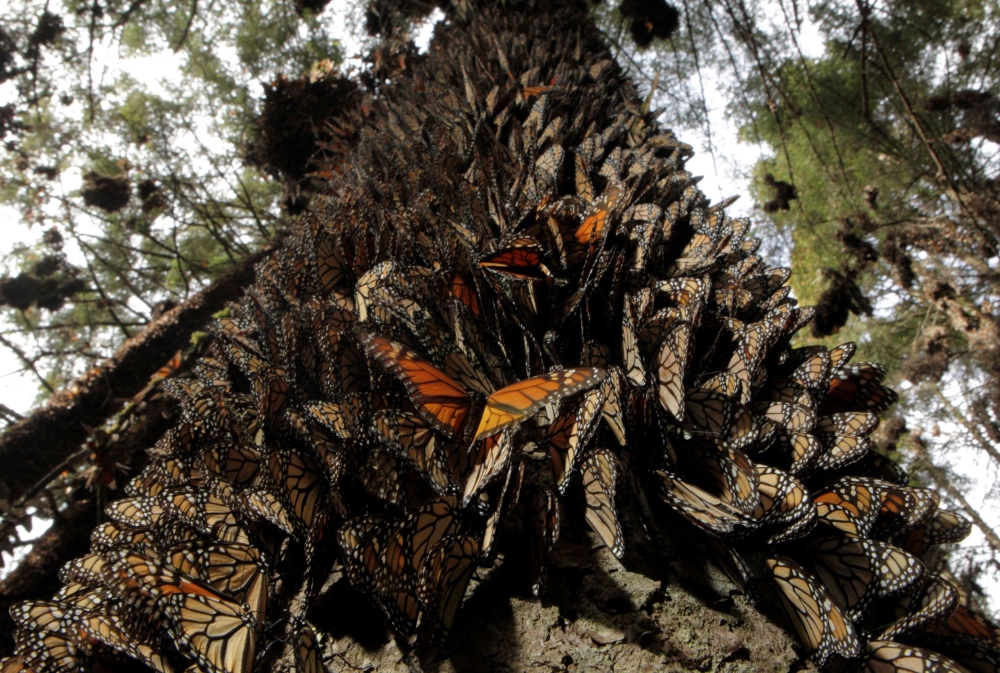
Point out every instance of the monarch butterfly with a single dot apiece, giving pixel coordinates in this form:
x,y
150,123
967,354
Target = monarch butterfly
x,y
135,512
14,664
700,507
803,450
331,264
599,471
259,504
728,472
234,570
966,625
595,223
301,485
458,366
517,402
214,630
841,355
234,330
218,634
82,596
270,391
492,456
850,506
848,569
367,284
888,657
518,258
423,530
385,476
44,651
358,540
840,451
821,626
729,294
849,424
87,570
465,292
307,659
761,284
543,530
789,391
897,569
903,508
571,432
935,600
206,512
698,255
775,300
793,417
47,616
752,343
783,498
633,357
408,435
110,536
438,398
107,628
745,430
330,415
690,295
859,388
671,363
813,372
507,498
237,464
613,388
948,527
445,576
709,412
548,166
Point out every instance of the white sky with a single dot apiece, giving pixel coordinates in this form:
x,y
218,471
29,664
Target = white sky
x,y
725,176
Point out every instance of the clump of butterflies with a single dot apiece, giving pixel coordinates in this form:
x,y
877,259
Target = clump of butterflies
x,y
567,328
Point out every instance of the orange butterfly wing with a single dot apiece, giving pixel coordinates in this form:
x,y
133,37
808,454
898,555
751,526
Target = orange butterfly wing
x,y
517,402
438,397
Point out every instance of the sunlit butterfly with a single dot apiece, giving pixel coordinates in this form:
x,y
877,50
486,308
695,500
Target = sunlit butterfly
x,y
821,626
885,656
851,506
934,601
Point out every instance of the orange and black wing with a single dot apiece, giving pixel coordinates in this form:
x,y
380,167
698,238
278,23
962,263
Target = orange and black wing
x,y
438,397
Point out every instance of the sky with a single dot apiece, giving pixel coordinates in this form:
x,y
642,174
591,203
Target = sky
x,y
724,174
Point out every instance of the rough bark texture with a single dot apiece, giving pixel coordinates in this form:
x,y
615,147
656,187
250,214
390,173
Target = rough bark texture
x,y
32,446
654,612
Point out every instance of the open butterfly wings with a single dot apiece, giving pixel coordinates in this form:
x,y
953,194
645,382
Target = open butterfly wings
x,y
517,402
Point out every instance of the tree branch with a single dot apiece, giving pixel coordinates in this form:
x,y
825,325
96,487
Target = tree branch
x,y
30,447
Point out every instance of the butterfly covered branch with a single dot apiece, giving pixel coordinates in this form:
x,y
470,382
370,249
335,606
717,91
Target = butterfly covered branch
x,y
511,306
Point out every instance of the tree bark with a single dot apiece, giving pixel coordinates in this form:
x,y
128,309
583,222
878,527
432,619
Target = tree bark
x,y
33,445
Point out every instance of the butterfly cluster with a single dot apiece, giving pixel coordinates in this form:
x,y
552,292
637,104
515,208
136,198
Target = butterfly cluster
x,y
512,305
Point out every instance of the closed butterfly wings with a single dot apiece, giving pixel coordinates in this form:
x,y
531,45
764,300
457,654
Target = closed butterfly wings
x,y
822,627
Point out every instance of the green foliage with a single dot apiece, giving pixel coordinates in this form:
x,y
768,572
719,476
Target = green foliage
x,y
87,112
